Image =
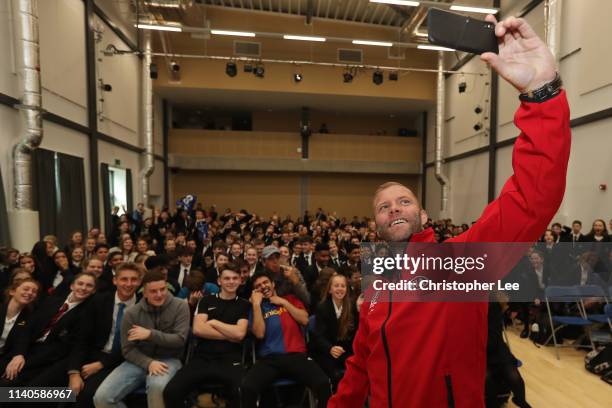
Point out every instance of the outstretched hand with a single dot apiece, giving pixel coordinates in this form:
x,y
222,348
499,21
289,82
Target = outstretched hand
x,y
524,60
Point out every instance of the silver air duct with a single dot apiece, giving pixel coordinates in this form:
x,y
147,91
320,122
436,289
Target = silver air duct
x,y
552,24
31,103
441,177
147,103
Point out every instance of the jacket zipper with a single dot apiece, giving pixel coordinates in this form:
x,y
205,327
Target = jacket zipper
x,y
387,352
449,391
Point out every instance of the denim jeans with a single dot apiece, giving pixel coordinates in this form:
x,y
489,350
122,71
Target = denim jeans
x,y
129,377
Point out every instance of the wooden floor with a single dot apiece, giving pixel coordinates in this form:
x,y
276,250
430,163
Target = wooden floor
x,y
552,383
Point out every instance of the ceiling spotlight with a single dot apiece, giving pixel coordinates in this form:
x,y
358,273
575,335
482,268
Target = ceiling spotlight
x,y
478,126
174,66
231,69
248,67
259,71
477,109
297,77
462,87
347,77
377,77
393,76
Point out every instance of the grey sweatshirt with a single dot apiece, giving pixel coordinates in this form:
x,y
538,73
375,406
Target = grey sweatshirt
x,y
169,325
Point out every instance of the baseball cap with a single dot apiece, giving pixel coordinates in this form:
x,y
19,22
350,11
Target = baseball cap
x,y
269,251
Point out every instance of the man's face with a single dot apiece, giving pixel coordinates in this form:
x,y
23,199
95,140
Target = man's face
x,y
156,292
115,260
229,281
355,255
265,286
273,263
142,246
27,263
127,282
251,256
90,244
222,260
236,250
95,266
186,259
576,228
297,249
259,248
13,257
170,245
536,260
322,258
333,248
102,253
397,213
556,229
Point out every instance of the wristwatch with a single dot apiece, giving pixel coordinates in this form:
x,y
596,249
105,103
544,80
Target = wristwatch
x,y
543,93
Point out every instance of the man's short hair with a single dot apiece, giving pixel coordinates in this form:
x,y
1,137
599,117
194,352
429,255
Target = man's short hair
x,y
556,224
321,247
262,274
305,239
184,251
577,222
231,266
219,245
128,266
157,261
385,186
153,275
98,246
351,247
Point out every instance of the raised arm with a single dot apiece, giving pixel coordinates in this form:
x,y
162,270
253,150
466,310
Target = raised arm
x,y
533,194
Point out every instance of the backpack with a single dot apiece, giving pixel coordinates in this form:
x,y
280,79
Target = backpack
x,y
599,361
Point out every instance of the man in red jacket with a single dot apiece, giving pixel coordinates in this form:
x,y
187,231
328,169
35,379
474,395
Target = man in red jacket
x,y
433,354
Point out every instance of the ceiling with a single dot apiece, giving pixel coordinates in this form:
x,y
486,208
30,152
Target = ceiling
x,y
287,101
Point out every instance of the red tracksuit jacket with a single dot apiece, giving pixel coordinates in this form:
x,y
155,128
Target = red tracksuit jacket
x,y
430,355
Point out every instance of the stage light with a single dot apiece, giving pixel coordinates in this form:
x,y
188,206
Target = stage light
x,y
153,71
462,87
231,69
393,76
478,126
377,77
297,77
248,67
477,109
347,77
174,66
259,71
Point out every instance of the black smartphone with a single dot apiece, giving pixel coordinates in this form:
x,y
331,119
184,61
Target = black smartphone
x,y
460,32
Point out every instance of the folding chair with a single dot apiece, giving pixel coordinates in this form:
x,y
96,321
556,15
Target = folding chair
x,y
287,382
567,295
593,292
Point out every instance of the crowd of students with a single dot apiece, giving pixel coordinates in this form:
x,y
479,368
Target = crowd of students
x,y
177,302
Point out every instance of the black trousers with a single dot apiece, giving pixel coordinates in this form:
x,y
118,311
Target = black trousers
x,y
201,371
295,366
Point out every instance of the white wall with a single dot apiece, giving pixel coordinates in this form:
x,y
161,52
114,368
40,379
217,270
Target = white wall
x,y
460,117
9,131
63,77
62,58
8,84
119,113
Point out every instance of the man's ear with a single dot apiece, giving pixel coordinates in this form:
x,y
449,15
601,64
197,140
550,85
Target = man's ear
x,y
424,217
